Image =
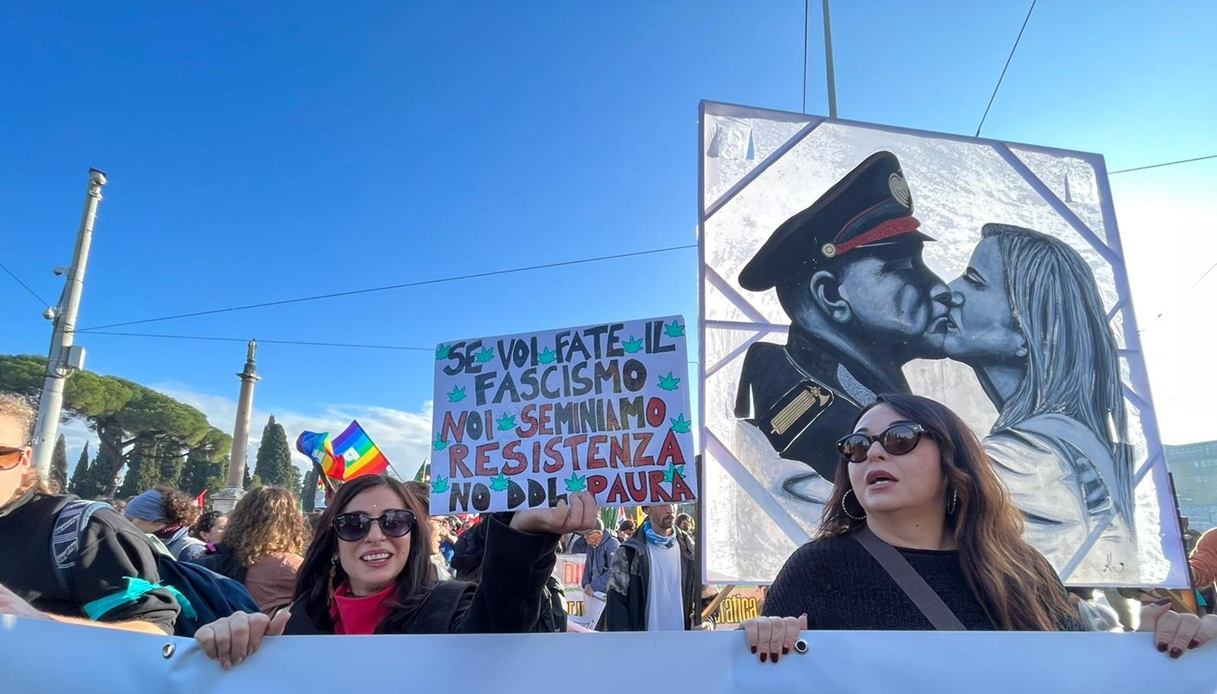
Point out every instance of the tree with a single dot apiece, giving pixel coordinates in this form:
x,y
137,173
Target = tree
x,y
207,464
121,412
247,482
143,470
274,462
308,489
80,476
101,476
59,466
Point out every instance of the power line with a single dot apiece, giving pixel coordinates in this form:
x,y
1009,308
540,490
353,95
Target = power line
x,y
353,292
27,287
806,16
1003,70
1169,163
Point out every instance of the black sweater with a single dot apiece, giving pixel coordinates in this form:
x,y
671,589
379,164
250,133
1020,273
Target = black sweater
x,y
840,586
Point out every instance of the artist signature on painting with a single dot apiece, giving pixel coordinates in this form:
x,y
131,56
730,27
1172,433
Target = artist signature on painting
x,y
1115,567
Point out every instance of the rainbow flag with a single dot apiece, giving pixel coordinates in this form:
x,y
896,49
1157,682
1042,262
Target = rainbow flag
x,y
319,449
360,455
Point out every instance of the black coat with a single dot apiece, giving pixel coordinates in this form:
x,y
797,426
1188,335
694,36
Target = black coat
x,y
516,566
625,606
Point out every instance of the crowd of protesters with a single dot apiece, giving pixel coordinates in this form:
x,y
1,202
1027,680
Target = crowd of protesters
x,y
374,561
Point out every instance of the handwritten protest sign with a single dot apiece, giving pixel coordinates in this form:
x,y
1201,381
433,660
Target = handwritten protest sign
x,y
522,420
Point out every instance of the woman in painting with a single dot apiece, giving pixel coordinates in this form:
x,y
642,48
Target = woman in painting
x,y
1028,319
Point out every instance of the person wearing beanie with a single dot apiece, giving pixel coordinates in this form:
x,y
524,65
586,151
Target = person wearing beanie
x,y
167,515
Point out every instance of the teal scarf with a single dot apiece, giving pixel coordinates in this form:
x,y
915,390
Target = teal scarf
x,y
654,538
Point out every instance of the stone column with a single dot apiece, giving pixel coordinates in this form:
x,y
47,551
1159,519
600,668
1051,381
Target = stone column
x,y
227,498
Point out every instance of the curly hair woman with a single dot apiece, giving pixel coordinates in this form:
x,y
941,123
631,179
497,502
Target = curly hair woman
x,y
167,514
263,546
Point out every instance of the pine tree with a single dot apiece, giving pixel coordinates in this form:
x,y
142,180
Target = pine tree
x,y
196,473
143,471
80,476
247,481
274,463
100,478
59,466
308,490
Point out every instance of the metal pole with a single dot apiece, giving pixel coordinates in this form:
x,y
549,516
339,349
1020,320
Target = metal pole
x,y
828,66
63,358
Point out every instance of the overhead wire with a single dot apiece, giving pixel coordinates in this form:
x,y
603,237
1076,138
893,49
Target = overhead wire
x,y
33,293
1002,76
1158,166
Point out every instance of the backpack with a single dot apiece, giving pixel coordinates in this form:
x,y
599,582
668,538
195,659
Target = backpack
x,y
203,594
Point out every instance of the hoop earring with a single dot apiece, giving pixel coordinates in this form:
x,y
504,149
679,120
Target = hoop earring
x,y
846,508
953,504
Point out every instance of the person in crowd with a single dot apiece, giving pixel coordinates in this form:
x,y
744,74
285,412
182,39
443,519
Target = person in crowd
x,y
167,514
262,546
625,530
599,558
652,583
366,572
916,480
1203,561
685,522
577,544
468,551
119,505
113,580
209,528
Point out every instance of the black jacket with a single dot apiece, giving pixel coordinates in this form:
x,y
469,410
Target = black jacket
x,y
224,562
515,568
630,581
111,551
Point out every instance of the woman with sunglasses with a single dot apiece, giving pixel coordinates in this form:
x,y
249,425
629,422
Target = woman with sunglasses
x,y
915,482
367,572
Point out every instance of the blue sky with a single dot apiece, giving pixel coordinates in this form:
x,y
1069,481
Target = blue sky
x,y
260,151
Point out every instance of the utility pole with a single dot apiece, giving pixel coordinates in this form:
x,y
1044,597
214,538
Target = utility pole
x,y
227,498
828,66
65,357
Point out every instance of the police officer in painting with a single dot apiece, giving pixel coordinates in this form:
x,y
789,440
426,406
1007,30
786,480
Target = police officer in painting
x,y
848,272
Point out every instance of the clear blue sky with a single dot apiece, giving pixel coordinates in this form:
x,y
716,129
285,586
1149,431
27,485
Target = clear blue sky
x,y
260,151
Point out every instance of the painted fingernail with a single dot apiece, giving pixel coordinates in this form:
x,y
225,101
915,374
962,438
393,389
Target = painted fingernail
x,y
764,656
1176,652
775,658
1162,602
754,650
1192,645
1162,648
785,650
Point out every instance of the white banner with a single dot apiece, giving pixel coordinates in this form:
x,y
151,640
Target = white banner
x,y
42,656
521,420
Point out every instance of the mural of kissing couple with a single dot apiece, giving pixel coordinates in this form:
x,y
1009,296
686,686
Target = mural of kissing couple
x,y
1026,316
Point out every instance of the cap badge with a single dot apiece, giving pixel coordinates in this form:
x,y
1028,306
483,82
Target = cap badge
x,y
829,250
900,190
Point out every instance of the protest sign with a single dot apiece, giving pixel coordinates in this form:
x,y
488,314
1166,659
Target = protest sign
x,y
843,260
708,663
569,570
522,420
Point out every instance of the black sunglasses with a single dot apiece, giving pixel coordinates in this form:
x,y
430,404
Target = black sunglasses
x,y
353,527
898,439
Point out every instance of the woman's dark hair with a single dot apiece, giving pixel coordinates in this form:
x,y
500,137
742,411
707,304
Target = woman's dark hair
x,y
1015,584
176,507
314,584
206,523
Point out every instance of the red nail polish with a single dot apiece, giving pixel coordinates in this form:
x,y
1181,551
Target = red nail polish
x,y
1176,652
1162,648
785,650
766,655
1193,644
775,658
754,650
1162,602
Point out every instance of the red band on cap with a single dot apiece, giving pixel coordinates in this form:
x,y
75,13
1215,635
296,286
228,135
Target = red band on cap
x,y
888,229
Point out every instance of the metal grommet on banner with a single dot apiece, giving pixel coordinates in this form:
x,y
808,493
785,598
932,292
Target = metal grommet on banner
x,y
801,647
167,651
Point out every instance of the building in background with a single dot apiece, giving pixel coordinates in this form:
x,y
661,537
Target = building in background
x,y
1194,468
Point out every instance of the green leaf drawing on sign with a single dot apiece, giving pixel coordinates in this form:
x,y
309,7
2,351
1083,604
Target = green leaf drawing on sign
x,y
633,345
442,352
576,483
680,425
439,443
673,471
439,485
506,422
458,394
669,382
485,355
498,483
547,356
674,329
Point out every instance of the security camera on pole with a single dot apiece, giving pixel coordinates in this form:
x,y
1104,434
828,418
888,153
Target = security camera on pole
x,y
65,357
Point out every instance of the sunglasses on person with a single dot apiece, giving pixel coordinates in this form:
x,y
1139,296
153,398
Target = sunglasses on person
x,y
898,439
354,526
10,457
